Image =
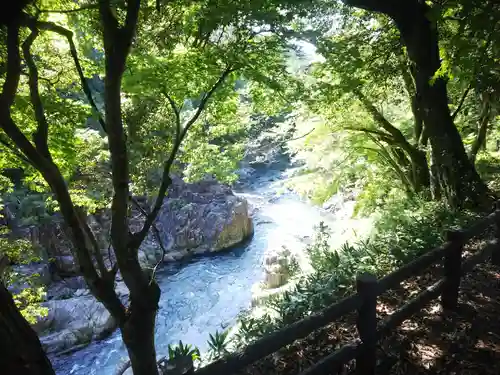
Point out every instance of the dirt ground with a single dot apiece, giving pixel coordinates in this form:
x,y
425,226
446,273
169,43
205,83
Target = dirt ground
x,y
466,342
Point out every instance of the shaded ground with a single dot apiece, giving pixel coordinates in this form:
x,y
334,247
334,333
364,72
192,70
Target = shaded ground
x,y
465,342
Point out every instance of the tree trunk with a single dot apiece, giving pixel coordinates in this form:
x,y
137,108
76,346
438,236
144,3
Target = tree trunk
x,y
434,179
418,121
138,332
480,141
458,178
459,181
20,350
420,170
136,322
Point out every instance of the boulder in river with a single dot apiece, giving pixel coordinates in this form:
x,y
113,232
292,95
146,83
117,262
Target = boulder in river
x,y
277,266
72,322
65,288
66,265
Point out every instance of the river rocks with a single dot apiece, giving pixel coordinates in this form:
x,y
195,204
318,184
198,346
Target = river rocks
x,y
66,288
277,267
342,203
197,218
245,173
36,273
66,265
74,321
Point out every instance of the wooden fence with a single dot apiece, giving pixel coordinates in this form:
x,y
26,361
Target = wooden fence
x,y
365,303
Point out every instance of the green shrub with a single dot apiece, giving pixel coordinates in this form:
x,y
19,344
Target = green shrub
x,y
293,266
251,328
403,230
488,167
183,350
217,344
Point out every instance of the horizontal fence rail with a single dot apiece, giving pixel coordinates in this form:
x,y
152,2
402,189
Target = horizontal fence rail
x,y
364,302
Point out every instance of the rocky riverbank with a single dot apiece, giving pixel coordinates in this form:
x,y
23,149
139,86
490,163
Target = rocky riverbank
x,y
196,218
207,293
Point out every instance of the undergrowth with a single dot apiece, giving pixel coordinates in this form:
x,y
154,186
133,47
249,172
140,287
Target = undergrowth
x,y
403,230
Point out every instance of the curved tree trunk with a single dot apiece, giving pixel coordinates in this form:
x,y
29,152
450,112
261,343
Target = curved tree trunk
x,y
418,121
459,181
419,167
21,352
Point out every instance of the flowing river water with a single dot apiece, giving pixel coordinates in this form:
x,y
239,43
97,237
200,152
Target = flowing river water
x,y
207,293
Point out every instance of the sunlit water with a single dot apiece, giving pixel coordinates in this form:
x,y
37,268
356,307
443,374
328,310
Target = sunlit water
x,y
207,293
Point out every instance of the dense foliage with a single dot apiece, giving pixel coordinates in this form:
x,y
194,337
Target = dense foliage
x,y
104,101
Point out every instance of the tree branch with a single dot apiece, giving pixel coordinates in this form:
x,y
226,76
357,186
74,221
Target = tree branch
x,y
131,18
485,118
386,125
301,136
398,137
68,34
157,235
11,82
66,11
386,137
4,263
101,288
166,180
93,242
461,103
109,21
41,136
476,67
8,94
177,114
205,99
49,26
14,151
117,43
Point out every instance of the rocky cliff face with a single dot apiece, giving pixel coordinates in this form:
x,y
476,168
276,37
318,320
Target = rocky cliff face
x,y
198,218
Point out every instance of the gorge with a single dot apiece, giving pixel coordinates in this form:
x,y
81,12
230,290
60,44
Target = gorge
x,y
206,294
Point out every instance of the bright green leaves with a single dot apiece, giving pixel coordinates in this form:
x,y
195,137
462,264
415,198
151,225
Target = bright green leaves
x,y
177,61
90,185
27,300
63,105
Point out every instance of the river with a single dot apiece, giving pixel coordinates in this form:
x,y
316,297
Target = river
x,y
207,293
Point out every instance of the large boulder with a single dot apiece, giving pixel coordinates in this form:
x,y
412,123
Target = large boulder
x,y
198,218
66,288
66,265
72,322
